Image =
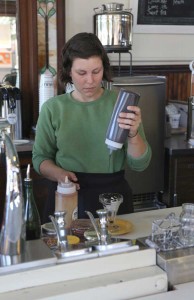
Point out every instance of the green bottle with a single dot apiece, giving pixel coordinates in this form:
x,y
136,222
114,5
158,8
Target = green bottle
x,y
32,217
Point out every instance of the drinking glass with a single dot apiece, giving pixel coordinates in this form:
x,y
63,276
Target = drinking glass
x,y
111,203
187,224
165,232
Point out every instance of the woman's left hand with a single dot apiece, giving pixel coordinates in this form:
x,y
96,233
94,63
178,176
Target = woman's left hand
x,y
130,120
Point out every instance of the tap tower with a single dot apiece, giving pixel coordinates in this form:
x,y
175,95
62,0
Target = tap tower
x,y
12,237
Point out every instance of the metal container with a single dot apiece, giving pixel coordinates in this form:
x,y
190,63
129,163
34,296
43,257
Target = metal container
x,y
178,264
113,26
10,108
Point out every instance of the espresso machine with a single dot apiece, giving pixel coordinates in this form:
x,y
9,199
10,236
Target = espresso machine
x,y
10,109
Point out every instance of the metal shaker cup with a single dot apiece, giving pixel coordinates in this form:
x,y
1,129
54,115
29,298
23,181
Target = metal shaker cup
x,y
116,136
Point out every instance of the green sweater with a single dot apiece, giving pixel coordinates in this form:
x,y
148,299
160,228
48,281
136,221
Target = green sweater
x,y
72,134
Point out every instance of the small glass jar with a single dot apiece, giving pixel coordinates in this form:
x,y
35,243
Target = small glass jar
x,y
187,225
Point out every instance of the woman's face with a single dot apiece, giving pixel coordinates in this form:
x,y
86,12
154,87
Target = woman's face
x,y
87,76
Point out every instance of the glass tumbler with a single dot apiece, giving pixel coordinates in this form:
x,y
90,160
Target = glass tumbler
x,y
111,202
187,225
165,232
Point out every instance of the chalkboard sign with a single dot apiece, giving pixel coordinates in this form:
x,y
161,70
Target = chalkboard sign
x,y
165,12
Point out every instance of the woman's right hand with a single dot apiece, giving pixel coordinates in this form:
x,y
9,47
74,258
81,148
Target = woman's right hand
x,y
51,171
72,177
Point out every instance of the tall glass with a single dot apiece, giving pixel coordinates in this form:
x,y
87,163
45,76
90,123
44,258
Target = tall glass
x,y
111,202
187,224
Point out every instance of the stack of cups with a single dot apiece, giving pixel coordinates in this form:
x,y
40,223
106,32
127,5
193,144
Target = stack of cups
x,y
46,89
174,120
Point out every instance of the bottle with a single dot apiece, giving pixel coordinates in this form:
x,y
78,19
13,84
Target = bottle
x,y
66,199
46,89
32,217
116,136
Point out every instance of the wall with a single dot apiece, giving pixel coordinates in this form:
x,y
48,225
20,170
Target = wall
x,y
158,47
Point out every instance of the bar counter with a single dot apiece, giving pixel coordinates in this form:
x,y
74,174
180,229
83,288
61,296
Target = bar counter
x,y
89,278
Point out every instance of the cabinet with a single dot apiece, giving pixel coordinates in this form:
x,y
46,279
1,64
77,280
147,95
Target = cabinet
x,y
179,171
40,184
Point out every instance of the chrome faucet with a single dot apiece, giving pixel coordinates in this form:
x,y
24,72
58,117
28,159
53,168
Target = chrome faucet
x,y
102,233
59,226
12,237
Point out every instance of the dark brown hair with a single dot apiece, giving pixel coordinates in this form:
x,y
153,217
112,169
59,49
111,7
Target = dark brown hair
x,y
83,45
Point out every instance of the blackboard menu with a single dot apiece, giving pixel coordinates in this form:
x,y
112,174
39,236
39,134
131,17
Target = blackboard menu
x,y
166,12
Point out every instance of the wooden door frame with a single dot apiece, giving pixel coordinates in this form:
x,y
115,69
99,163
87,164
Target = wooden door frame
x,y
28,65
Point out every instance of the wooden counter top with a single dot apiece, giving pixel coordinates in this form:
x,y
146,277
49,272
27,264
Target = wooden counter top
x,y
26,147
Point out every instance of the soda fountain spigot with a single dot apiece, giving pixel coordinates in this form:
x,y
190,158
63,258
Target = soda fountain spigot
x,y
59,226
102,233
12,237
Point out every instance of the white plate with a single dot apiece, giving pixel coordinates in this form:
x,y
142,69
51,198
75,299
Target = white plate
x,y
21,142
48,228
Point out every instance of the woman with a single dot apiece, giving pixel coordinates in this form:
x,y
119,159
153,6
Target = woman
x,y
71,130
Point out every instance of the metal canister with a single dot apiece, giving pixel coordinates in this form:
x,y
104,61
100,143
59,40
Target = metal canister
x,y
10,108
113,26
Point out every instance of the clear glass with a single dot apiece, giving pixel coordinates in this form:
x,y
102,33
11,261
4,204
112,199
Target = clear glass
x,y
111,202
187,224
165,232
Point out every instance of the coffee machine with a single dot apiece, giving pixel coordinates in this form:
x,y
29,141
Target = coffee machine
x,y
10,109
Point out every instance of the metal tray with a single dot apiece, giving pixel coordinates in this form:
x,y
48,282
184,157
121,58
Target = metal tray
x,y
115,244
36,254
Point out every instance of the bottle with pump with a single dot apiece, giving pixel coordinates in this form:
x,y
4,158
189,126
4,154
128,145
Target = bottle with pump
x,y
116,136
66,199
32,217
